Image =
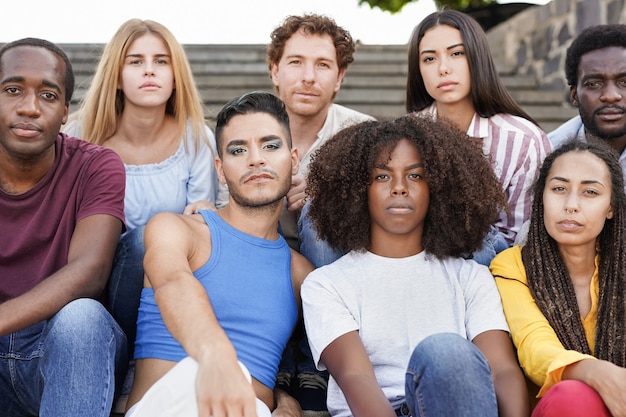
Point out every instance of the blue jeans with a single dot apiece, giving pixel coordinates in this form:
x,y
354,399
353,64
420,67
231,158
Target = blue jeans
x,y
65,366
449,376
316,250
126,283
493,244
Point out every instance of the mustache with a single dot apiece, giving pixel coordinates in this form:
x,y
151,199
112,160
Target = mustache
x,y
610,107
250,173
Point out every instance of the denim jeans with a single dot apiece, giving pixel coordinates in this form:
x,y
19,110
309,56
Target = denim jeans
x,y
493,244
316,250
449,376
65,366
126,283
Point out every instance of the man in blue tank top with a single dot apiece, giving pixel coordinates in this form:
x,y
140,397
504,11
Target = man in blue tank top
x,y
222,289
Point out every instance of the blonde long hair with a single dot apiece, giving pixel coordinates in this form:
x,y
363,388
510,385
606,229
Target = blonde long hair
x,y
103,103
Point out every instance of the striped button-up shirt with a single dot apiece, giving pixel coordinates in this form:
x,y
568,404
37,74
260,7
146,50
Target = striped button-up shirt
x,y
517,147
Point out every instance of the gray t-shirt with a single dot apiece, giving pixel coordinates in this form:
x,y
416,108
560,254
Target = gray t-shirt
x,y
394,303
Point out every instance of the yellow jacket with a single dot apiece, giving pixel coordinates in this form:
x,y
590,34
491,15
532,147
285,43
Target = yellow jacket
x,y
539,351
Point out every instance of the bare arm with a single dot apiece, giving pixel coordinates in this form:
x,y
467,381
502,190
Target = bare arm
x,y
347,361
286,405
608,379
171,253
508,379
88,267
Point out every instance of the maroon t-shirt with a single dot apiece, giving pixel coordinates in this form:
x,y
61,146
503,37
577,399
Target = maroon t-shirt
x,y
36,227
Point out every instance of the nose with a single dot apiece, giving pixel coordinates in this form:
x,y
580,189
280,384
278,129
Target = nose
x,y
29,105
444,69
399,187
149,69
611,93
308,73
571,204
255,157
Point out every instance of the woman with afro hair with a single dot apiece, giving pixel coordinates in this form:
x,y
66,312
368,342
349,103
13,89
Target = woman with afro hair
x,y
404,324
564,291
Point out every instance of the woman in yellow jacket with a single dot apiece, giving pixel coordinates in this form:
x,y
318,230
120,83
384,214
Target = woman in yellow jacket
x,y
564,292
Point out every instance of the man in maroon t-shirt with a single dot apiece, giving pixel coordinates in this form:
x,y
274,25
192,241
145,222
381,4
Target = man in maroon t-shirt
x,y
61,214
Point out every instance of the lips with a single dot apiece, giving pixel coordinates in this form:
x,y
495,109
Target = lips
x,y
400,208
149,85
26,129
569,225
446,85
258,178
611,113
307,94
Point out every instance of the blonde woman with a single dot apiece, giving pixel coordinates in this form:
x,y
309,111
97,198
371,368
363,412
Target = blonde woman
x,y
143,104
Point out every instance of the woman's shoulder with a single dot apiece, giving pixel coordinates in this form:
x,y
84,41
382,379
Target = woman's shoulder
x,y
509,264
518,124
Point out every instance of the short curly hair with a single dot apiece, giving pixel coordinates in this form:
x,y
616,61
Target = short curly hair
x,y
465,195
311,24
591,39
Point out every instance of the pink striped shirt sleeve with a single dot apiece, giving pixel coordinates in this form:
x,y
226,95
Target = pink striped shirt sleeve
x,y
517,147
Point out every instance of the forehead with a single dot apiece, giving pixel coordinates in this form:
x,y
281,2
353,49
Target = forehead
x,y
611,60
148,43
32,63
316,45
252,126
440,36
580,165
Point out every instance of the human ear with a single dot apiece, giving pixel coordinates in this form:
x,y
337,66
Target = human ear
x,y
219,167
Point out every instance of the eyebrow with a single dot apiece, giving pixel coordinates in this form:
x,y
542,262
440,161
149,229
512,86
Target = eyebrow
x,y
410,167
429,51
586,182
142,55
264,139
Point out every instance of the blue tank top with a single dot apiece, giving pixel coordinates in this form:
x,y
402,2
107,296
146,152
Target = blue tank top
x,y
248,280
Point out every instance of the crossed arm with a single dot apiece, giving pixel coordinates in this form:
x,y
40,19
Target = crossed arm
x,y
88,267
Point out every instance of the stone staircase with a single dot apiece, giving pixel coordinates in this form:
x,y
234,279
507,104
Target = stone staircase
x,y
374,84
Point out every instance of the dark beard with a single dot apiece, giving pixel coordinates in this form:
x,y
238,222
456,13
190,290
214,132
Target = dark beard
x,y
267,204
592,127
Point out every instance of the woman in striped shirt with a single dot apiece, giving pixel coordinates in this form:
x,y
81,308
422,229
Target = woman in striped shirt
x,y
451,75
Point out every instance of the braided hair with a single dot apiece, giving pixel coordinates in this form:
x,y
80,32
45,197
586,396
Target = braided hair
x,y
550,282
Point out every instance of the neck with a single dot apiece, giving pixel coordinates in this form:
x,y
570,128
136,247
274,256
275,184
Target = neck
x,y
618,144
17,175
261,222
579,261
304,130
141,125
460,113
395,246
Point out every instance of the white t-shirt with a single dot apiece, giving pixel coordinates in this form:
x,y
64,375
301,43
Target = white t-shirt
x,y
394,303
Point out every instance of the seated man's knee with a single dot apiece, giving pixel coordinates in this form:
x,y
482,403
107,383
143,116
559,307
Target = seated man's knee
x,y
82,322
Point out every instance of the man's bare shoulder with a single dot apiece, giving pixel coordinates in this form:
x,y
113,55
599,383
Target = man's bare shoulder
x,y
181,230
173,221
300,267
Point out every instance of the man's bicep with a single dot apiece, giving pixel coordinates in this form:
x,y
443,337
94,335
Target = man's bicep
x,y
95,237
168,244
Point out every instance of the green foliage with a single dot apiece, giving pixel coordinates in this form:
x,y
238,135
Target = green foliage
x,y
395,6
